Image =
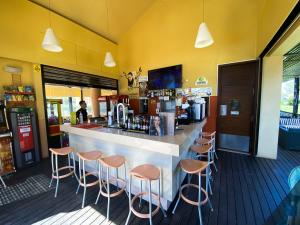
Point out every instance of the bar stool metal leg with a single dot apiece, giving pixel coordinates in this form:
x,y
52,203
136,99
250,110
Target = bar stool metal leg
x,y
150,203
140,204
108,192
79,162
52,166
84,182
57,180
100,181
199,200
208,185
129,198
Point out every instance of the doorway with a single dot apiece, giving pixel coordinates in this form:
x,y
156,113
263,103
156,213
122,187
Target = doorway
x,y
237,102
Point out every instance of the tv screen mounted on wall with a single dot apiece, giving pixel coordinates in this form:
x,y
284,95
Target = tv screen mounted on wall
x,y
165,78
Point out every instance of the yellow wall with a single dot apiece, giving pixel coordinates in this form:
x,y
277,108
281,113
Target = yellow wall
x,y
23,24
6,78
271,17
166,33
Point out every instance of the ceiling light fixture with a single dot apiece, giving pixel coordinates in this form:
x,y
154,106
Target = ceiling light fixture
x,y
204,38
108,60
50,42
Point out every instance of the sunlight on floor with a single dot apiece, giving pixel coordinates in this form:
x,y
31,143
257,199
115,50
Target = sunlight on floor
x,y
87,215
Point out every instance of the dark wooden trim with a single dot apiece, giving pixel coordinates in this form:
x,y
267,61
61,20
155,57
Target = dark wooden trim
x,y
255,107
56,75
45,106
283,28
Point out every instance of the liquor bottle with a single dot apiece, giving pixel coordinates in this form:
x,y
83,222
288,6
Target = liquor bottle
x,y
138,124
129,124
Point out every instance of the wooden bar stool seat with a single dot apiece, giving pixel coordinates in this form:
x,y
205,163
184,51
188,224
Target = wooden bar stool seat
x,y
82,182
207,152
203,141
192,166
55,152
148,173
211,136
111,162
201,149
90,156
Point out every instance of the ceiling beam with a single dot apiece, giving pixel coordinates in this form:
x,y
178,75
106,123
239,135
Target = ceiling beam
x,y
79,24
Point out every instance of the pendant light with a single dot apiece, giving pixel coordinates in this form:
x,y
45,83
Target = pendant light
x,y
108,60
50,42
204,38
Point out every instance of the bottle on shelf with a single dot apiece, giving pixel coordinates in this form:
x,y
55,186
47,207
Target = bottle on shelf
x,y
80,118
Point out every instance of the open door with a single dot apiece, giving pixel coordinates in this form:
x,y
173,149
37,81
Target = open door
x,y
237,90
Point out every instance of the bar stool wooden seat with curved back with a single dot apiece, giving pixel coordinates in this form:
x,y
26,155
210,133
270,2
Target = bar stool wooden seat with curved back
x,y
55,152
211,136
147,173
206,150
111,162
207,138
192,166
87,156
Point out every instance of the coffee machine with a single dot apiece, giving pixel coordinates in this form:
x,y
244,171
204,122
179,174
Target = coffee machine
x,y
199,109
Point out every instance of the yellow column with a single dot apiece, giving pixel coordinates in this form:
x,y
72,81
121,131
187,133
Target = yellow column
x,y
38,87
95,92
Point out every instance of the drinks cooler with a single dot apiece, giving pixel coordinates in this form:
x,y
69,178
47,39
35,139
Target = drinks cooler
x,y
23,125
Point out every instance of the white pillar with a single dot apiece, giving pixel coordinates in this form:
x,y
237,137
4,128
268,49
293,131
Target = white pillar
x,y
270,107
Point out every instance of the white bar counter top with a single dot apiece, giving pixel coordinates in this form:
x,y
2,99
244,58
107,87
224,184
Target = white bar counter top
x,y
169,145
164,152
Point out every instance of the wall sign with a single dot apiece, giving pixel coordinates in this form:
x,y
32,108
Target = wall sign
x,y
133,78
201,81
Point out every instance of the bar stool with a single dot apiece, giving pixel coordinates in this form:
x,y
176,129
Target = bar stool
x,y
111,162
211,136
87,156
205,141
192,166
66,151
148,173
207,151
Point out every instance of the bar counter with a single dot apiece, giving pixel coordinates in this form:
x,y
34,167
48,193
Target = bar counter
x,y
164,152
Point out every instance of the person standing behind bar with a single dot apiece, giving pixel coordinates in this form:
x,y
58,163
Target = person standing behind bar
x,y
82,110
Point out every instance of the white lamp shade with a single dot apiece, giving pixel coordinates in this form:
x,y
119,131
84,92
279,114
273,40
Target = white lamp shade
x,y
50,42
204,37
109,60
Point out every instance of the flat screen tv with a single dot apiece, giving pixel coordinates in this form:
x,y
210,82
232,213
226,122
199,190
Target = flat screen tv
x,y
165,78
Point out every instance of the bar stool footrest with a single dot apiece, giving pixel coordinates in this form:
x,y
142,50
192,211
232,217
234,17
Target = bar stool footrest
x,y
189,201
122,189
91,183
65,175
145,215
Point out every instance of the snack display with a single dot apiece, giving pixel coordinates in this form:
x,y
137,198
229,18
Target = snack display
x,y
6,158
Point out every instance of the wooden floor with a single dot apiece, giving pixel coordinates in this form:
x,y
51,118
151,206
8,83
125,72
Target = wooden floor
x,y
246,190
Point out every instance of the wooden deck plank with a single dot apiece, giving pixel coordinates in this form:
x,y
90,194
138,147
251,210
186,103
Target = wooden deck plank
x,y
246,190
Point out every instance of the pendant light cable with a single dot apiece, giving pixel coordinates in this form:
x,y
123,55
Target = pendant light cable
x,y
107,17
49,14
202,10
108,60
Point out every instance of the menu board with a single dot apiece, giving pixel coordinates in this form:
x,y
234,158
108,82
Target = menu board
x,y
6,157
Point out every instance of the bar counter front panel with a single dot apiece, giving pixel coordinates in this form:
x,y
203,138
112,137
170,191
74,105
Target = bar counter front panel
x,y
164,152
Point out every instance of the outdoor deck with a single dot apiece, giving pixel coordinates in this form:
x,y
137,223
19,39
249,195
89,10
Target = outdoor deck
x,y
246,190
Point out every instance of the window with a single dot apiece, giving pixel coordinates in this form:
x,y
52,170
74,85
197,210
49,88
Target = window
x,y
287,96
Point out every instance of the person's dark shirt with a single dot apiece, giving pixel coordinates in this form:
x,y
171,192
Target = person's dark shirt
x,y
84,114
